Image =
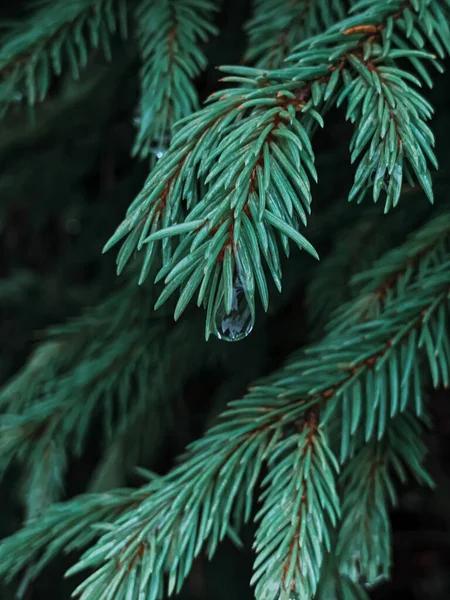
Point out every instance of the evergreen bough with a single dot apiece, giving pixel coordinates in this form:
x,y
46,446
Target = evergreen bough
x,y
313,452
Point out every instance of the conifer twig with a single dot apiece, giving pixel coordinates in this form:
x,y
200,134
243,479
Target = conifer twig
x,y
169,32
210,492
87,367
276,28
37,47
251,147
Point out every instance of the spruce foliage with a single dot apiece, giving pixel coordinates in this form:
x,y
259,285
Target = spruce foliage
x,y
312,454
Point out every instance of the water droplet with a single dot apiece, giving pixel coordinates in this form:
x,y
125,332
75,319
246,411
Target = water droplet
x,y
239,323
137,119
159,147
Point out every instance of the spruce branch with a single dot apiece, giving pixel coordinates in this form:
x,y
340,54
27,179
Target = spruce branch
x,y
90,514
400,143
395,377
381,371
198,503
169,32
368,491
389,277
277,27
354,250
320,441
210,493
64,527
43,478
333,584
368,475
251,147
211,490
57,32
352,262
300,503
115,359
366,485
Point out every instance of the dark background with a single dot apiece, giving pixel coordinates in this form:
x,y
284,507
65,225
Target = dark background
x,y
66,179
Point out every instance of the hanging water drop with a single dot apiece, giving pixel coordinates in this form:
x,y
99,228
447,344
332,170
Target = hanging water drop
x,y
137,119
239,323
160,146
